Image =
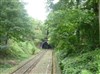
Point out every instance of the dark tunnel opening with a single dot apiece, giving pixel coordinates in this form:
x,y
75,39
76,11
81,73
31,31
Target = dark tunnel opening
x,y
45,45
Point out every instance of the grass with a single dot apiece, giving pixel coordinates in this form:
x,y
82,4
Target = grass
x,y
9,63
17,53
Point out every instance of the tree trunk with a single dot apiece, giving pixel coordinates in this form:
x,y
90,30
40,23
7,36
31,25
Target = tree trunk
x,y
6,39
99,22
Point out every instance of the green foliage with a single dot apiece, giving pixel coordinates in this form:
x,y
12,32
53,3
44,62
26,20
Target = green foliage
x,y
17,52
80,64
27,47
74,30
39,32
74,27
19,49
16,25
18,32
14,21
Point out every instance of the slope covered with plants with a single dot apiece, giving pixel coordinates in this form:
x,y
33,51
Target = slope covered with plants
x,y
74,33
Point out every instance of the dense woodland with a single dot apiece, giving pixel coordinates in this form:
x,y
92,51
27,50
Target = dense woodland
x,y
72,28
74,33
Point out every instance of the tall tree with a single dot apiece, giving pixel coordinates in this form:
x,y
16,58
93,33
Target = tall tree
x,y
99,21
14,21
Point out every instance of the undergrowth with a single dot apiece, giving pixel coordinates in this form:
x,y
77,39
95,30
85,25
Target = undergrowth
x,y
17,52
84,63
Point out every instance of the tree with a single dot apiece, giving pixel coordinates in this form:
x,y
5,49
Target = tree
x,y
99,21
79,21
14,21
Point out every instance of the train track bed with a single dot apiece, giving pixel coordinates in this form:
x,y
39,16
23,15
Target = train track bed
x,y
25,68
40,64
43,63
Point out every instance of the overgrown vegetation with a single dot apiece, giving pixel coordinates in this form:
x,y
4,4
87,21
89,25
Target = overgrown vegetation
x,y
74,32
18,34
72,28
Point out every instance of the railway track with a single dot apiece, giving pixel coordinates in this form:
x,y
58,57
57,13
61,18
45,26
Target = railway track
x,y
43,63
29,65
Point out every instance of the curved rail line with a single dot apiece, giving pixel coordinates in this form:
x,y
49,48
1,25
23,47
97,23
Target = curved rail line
x,y
29,65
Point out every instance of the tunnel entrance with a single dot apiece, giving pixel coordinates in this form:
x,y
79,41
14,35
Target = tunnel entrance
x,y
45,45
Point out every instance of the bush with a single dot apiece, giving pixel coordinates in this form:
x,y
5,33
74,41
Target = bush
x,y
86,63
